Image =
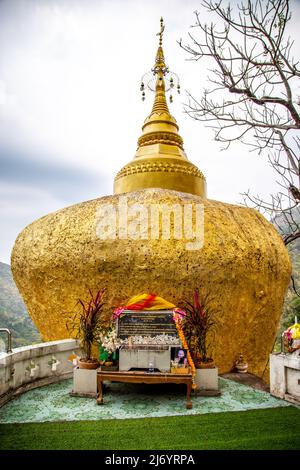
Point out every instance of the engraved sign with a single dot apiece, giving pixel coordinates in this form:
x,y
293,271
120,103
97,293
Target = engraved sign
x,y
146,323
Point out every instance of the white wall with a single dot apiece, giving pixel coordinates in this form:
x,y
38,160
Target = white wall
x,y
36,365
285,376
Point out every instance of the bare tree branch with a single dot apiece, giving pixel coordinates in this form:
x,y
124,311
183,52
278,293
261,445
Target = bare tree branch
x,y
253,96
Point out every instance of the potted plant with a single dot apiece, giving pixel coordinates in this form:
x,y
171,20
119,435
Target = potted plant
x,y
198,326
86,325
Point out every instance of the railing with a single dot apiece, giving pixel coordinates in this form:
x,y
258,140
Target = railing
x,y
6,330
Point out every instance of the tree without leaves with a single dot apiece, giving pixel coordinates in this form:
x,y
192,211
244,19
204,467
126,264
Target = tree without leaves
x,y
253,98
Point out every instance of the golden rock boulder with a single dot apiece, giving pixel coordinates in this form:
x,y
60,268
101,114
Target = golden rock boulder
x,y
243,262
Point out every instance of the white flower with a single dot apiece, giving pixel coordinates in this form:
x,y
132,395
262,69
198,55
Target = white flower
x,y
110,341
164,339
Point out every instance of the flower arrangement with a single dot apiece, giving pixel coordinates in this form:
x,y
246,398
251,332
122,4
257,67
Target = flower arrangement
x,y
160,340
109,340
109,344
292,337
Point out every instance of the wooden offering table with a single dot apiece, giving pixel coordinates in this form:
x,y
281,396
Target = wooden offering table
x,y
146,378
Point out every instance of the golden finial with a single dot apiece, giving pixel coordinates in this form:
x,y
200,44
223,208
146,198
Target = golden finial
x,y
160,78
161,32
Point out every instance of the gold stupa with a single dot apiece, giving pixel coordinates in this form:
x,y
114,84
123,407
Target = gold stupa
x,y
243,261
160,160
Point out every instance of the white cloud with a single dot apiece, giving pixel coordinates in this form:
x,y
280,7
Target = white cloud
x,y
19,206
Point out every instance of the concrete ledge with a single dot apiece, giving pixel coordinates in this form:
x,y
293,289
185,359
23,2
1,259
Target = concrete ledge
x,y
35,366
37,350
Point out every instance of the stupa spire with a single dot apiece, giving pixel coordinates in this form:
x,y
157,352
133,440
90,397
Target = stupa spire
x,y
160,160
160,102
159,69
160,81
161,32
162,74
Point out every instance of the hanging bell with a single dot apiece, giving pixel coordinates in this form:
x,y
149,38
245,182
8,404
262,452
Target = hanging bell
x,y
171,99
142,86
171,82
178,88
143,96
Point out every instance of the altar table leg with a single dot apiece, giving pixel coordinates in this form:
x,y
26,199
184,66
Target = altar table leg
x,y
189,403
100,392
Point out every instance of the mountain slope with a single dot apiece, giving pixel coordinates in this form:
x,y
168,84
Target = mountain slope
x,y
13,314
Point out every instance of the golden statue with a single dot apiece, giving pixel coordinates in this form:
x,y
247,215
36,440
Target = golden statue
x,y
243,261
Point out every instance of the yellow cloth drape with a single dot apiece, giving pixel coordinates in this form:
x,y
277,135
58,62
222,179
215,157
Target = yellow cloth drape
x,y
158,303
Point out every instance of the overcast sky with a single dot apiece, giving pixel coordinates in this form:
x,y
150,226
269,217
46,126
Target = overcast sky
x,y
71,111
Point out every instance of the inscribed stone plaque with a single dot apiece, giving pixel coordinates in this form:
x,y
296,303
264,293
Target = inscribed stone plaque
x,y
146,323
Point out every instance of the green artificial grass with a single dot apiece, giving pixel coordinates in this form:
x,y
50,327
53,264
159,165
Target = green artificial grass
x,y
276,428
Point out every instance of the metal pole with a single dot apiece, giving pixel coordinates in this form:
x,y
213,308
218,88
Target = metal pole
x,y
282,343
6,330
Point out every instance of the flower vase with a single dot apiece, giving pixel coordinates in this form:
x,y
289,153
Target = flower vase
x,y
241,365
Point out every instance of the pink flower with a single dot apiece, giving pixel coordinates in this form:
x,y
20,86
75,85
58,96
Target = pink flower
x,y
118,312
179,312
288,334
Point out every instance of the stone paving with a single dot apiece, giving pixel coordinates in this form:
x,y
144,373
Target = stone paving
x,y
53,402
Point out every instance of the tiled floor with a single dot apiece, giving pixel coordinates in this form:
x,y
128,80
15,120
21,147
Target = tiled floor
x,y
53,402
